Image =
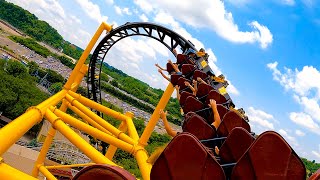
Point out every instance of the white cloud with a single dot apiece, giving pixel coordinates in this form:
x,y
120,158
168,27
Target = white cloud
x,y
92,10
143,18
305,120
122,11
260,120
306,92
109,2
118,10
288,2
212,15
290,139
300,133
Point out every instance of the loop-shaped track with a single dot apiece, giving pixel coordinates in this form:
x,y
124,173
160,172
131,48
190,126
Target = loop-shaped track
x,y
167,37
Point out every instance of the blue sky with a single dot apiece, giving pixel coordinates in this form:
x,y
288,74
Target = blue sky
x,y
268,50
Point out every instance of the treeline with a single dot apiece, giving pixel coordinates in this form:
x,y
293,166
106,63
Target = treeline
x,y
43,51
39,30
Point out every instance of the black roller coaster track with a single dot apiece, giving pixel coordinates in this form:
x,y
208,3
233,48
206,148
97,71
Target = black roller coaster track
x,y
167,37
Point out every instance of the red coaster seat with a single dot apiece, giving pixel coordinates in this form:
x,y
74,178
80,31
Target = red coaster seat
x,y
220,99
187,70
200,74
203,90
185,158
101,171
235,145
183,97
198,126
269,157
183,87
230,121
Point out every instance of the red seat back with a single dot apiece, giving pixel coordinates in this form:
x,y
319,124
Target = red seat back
x,y
174,79
181,58
183,87
269,157
100,171
187,70
198,126
230,121
192,104
183,97
170,68
200,74
185,158
236,144
203,90
220,99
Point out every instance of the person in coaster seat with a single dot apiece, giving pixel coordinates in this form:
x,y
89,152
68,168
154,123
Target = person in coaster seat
x,y
174,66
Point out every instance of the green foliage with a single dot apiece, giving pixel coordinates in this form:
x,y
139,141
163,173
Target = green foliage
x,y
109,89
66,61
56,87
16,69
104,77
54,77
18,93
311,166
32,44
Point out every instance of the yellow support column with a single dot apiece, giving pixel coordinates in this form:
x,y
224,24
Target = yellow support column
x,y
46,145
155,116
75,139
112,149
46,173
132,131
99,120
85,54
93,131
94,105
9,173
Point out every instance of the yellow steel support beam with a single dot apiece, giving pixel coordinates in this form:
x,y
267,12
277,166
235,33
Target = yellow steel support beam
x,y
8,172
46,145
131,128
46,173
69,166
112,149
155,116
99,120
44,150
88,119
97,106
93,131
73,76
75,139
17,128
141,156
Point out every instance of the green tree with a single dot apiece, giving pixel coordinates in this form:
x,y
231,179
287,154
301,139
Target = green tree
x,y
56,87
16,69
